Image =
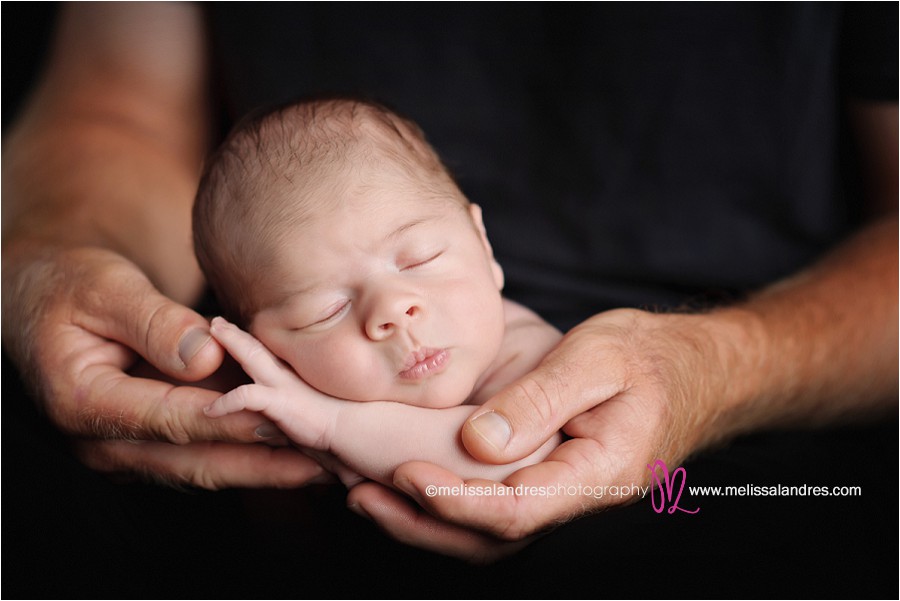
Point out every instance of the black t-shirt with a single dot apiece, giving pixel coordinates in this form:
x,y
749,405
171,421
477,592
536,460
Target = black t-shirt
x,y
624,154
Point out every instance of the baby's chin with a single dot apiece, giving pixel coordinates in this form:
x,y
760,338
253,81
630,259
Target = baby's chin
x,y
437,395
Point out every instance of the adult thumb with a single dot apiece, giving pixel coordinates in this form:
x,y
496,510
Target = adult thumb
x,y
521,417
170,336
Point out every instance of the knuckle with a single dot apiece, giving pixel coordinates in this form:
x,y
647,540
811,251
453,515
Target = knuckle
x,y
256,352
237,399
512,530
162,326
538,398
134,461
241,398
151,472
153,324
173,429
508,523
168,422
95,455
202,477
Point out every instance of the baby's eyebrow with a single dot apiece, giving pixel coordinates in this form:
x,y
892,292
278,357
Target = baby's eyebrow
x,y
405,227
288,297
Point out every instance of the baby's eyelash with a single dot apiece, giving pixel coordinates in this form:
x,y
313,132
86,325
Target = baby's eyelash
x,y
425,262
333,315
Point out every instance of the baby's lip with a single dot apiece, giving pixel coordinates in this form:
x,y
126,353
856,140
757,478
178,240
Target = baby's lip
x,y
424,362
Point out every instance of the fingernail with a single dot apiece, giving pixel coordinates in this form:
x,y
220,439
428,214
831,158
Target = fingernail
x,y
267,430
279,441
358,510
493,428
323,478
191,343
407,487
218,323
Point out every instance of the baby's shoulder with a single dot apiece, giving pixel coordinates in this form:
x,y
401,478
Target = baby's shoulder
x,y
526,340
525,330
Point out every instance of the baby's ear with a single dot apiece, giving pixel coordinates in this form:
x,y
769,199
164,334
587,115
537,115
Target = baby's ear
x,y
475,213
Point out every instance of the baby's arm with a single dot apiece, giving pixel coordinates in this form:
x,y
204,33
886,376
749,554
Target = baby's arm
x,y
371,438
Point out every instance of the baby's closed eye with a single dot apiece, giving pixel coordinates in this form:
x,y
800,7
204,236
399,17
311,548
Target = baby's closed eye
x,y
415,263
322,318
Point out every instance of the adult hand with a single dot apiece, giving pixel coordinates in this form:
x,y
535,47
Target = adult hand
x,y
625,387
631,387
99,175
76,320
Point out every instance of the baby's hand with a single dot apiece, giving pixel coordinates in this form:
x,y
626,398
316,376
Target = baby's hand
x,y
303,413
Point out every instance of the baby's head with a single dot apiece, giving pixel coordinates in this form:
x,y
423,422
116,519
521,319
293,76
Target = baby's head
x,y
332,231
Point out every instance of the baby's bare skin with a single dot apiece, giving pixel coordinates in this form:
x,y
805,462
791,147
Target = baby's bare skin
x,y
373,438
369,290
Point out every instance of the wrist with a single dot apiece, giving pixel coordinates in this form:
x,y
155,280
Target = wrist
x,y
702,372
709,366
739,349
24,254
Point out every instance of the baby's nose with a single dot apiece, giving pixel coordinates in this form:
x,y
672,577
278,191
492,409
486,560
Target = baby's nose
x,y
392,314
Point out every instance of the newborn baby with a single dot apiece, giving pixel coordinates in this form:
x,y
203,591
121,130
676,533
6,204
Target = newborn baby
x,y
333,233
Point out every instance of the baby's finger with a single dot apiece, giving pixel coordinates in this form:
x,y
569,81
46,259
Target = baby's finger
x,y
259,363
251,397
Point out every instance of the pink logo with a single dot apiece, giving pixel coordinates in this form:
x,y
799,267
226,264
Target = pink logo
x,y
667,488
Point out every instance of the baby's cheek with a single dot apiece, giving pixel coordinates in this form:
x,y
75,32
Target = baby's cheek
x,y
480,314
337,368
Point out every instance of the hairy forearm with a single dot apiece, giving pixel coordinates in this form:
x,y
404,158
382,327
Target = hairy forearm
x,y
100,188
818,346
107,151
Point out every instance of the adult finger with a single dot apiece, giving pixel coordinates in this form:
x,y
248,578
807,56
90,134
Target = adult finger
x,y
106,402
116,405
568,484
411,525
516,421
209,465
117,301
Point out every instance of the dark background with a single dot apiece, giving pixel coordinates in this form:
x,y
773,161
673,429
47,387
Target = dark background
x,y
71,533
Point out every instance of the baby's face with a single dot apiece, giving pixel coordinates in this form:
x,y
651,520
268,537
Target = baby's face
x,y
389,295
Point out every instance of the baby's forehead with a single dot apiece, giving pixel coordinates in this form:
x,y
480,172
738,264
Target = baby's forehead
x,y
370,205
356,185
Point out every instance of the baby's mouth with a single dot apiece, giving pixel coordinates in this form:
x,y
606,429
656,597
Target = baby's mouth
x,y
424,362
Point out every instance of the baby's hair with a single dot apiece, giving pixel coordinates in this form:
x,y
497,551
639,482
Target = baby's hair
x,y
277,166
